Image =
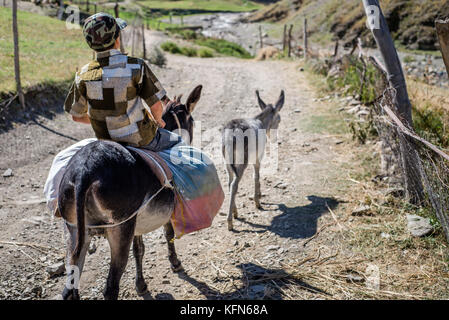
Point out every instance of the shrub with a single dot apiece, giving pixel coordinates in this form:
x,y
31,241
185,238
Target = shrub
x,y
190,52
157,57
224,47
205,53
171,47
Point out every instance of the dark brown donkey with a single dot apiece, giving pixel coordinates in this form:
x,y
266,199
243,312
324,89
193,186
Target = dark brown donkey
x,y
106,184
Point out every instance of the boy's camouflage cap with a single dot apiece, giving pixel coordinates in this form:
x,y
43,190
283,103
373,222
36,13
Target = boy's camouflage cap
x,y
101,30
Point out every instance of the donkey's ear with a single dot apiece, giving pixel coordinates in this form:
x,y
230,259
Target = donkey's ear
x,y
193,98
262,104
280,102
178,99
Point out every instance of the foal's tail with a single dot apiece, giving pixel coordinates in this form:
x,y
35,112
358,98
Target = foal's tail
x,y
81,187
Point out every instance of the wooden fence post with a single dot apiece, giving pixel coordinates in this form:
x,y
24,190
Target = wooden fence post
x,y
337,44
116,9
122,38
60,9
133,37
290,41
15,32
87,6
284,39
443,36
260,36
409,158
306,43
143,42
171,17
182,19
95,7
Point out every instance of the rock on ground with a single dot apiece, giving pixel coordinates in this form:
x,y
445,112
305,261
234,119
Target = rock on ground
x,y
419,226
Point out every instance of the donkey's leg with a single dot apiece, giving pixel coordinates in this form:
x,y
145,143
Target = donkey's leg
x,y
257,193
234,188
230,176
139,251
176,265
119,239
74,267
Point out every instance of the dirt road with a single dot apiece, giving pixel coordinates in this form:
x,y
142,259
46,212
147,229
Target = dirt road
x,y
263,258
262,240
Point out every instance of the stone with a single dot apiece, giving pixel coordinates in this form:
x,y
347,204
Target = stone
x,y
92,248
37,291
7,173
385,235
362,211
272,247
354,278
418,226
56,269
281,185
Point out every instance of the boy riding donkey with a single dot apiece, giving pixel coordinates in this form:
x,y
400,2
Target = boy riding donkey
x,y
135,172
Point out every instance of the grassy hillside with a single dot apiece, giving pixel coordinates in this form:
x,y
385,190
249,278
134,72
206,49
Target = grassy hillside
x,y
411,22
48,50
207,5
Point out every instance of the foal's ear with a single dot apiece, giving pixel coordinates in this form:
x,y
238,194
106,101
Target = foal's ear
x,y
193,98
280,102
262,104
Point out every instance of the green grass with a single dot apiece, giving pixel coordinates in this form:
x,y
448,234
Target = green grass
x,y
325,123
49,51
205,53
172,47
206,5
224,47
400,47
429,124
220,46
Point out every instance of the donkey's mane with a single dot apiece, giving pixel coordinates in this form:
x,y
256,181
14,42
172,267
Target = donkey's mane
x,y
174,106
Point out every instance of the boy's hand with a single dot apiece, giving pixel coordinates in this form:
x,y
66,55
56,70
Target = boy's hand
x,y
84,119
157,110
161,123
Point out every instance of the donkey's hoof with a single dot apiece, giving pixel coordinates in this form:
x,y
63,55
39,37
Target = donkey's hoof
x,y
141,290
178,268
70,294
230,226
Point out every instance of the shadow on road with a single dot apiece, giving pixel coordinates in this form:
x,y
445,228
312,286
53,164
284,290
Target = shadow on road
x,y
297,222
259,283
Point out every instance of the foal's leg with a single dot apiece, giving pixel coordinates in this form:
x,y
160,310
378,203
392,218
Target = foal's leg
x,y
119,239
139,251
234,188
74,267
257,193
176,265
230,176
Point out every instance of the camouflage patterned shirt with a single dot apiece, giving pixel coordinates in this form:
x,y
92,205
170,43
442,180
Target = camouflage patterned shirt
x,y
112,90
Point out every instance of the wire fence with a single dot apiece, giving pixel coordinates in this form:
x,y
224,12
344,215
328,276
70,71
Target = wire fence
x,y
413,159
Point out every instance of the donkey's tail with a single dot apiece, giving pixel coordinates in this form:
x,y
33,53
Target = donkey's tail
x,y
81,188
